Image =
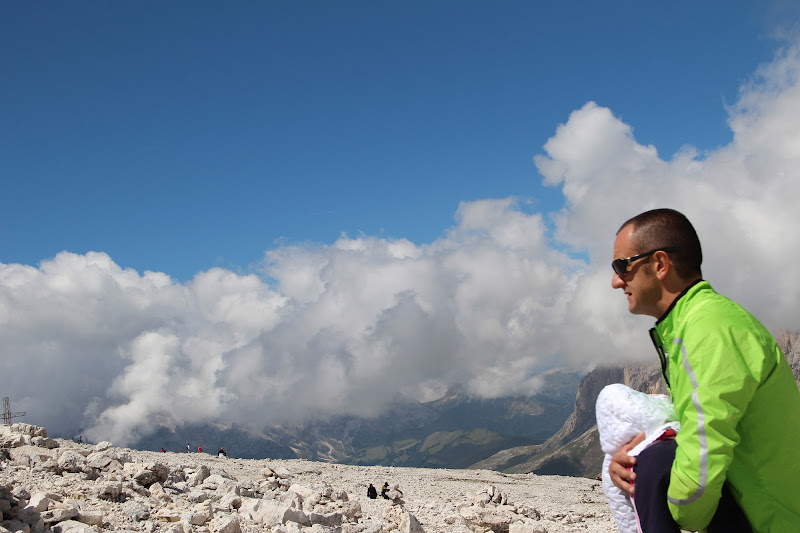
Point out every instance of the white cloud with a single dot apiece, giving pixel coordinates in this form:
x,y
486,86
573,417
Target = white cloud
x,y
349,326
741,197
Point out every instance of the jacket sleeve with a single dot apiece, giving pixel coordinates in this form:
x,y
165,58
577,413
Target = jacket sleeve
x,y
712,384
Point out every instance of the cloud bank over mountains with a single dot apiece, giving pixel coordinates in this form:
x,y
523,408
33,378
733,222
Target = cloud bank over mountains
x,y
505,293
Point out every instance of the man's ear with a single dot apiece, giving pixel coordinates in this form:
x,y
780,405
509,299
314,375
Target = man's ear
x,y
662,265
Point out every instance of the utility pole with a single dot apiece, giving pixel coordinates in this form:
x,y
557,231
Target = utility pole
x,y
7,414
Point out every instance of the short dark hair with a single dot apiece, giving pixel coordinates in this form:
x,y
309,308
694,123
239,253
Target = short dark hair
x,y
663,228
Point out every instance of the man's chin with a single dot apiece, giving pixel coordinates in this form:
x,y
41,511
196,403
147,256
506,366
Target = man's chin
x,y
634,308
637,310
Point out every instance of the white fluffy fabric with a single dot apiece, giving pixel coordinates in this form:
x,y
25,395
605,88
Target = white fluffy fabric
x,y
622,413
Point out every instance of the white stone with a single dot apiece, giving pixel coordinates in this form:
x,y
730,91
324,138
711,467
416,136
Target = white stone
x,y
168,515
292,514
403,521
198,476
60,514
197,496
73,526
39,502
231,501
98,460
196,519
494,518
71,461
326,519
519,527
44,442
28,429
281,472
219,483
203,509
305,493
179,527
157,492
93,518
225,524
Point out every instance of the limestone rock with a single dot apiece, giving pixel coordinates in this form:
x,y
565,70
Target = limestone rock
x,y
148,473
494,518
519,527
60,514
399,519
44,442
28,429
198,476
92,518
71,461
73,526
225,524
39,502
108,490
137,511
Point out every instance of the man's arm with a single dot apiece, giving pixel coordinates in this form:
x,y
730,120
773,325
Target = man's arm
x,y
621,462
712,389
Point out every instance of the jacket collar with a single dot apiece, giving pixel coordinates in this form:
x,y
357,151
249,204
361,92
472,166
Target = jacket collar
x,y
675,301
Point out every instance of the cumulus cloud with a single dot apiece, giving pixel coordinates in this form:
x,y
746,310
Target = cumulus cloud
x,y
347,327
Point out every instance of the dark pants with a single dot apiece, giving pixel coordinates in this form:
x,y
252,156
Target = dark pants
x,y
652,479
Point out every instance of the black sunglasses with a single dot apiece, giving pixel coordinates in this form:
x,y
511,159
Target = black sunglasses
x,y
620,266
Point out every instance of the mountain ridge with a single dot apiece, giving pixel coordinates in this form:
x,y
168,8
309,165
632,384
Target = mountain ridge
x,y
574,450
453,431
553,432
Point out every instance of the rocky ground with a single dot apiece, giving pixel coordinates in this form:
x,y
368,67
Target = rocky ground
x,y
65,487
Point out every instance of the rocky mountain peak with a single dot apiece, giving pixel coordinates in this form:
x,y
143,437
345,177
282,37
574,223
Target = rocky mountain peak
x,y
789,342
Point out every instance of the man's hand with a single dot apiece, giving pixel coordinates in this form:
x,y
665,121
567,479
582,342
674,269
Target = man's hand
x,y
620,462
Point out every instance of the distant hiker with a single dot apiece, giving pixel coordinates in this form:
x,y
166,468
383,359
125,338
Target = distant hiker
x,y
199,449
393,494
188,448
80,439
222,453
163,450
372,492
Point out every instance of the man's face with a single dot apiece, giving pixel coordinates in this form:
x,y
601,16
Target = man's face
x,y
639,283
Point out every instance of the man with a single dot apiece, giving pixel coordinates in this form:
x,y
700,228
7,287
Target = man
x,y
734,393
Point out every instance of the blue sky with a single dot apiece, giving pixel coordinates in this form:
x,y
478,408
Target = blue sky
x,y
257,212
184,135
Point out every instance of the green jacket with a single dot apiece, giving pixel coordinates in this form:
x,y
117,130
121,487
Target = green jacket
x,y
739,408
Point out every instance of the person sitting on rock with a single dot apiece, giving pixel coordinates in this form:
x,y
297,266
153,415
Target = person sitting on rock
x,y
394,494
222,453
372,492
